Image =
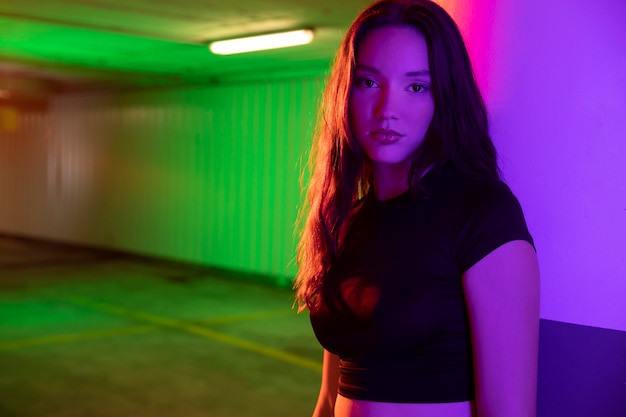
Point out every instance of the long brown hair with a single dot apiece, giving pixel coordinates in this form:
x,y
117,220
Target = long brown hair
x,y
458,133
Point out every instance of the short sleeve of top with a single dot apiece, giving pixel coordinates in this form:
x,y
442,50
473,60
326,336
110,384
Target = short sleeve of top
x,y
492,217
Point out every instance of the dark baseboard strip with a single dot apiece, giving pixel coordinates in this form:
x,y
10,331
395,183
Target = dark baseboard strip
x,y
582,371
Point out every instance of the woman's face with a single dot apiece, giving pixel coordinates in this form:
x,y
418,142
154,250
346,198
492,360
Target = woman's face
x,y
391,104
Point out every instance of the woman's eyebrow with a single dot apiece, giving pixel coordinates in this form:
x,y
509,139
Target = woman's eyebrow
x,y
418,73
367,68
362,67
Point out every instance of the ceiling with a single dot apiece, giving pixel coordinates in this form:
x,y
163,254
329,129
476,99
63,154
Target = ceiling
x,y
51,46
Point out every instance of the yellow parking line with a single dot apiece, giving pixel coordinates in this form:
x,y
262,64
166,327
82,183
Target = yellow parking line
x,y
248,317
73,337
197,330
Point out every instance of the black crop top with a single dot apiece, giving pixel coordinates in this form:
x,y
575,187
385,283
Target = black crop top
x,y
392,306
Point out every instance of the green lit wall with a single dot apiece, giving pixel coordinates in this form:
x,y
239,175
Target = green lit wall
x,y
208,175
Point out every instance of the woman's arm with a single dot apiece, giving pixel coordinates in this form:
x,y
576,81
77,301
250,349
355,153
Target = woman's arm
x,y
502,294
328,390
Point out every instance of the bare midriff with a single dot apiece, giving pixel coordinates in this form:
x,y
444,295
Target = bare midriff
x,y
345,407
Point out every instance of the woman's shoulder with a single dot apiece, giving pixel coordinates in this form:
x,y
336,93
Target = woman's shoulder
x,y
491,215
489,191
447,179
478,199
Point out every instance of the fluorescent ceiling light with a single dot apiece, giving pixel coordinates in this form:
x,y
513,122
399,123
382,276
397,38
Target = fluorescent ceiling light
x,y
262,42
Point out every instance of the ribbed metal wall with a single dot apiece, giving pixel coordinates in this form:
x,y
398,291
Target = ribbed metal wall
x,y
205,175
22,169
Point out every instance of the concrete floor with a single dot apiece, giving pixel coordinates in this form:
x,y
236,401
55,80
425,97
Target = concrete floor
x,y
100,334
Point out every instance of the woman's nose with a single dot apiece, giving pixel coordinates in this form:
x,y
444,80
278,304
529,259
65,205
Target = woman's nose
x,y
387,104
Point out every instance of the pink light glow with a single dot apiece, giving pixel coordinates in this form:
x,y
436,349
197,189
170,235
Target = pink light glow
x,y
554,78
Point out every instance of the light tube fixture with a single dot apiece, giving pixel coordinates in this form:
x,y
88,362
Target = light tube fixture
x,y
262,42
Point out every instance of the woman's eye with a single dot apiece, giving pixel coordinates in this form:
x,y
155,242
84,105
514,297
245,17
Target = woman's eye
x,y
367,83
416,88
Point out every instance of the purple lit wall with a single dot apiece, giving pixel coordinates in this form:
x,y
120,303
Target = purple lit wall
x,y
554,76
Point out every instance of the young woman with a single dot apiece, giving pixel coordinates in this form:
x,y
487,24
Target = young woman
x,y
415,260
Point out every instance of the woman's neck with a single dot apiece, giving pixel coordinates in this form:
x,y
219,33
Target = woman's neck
x,y
390,180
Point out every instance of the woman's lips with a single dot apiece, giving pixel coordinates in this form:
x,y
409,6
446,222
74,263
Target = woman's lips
x,y
385,136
